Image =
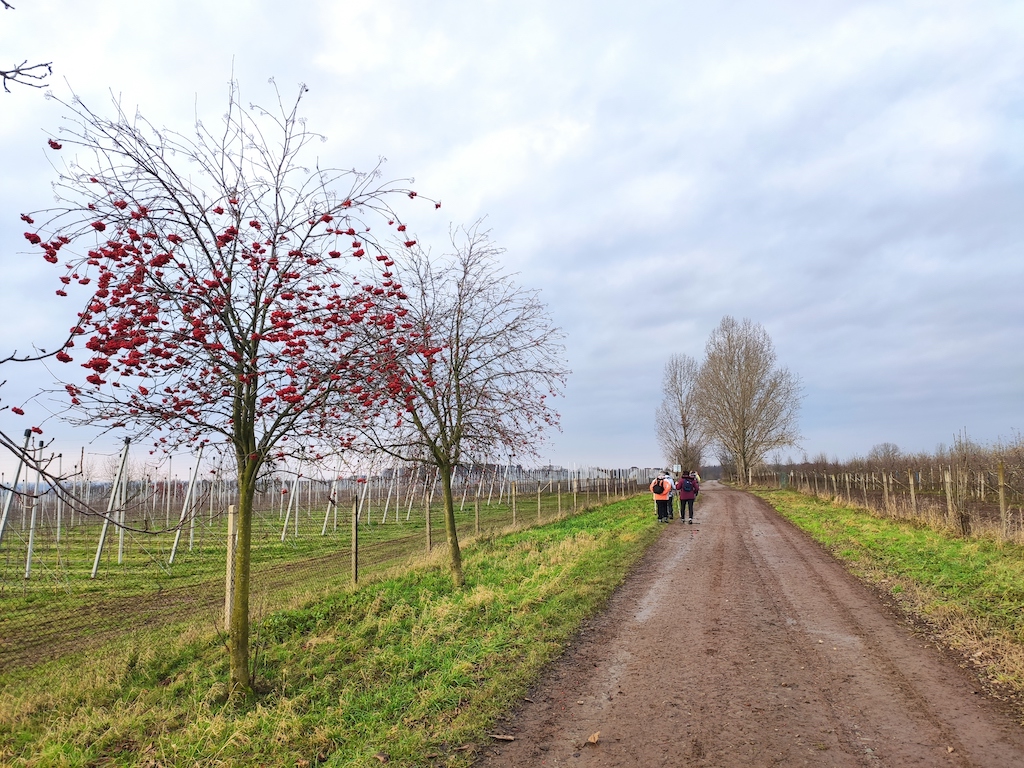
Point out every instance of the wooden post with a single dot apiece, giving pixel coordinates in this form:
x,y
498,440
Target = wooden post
x,y
512,493
476,515
948,482
963,514
885,493
1004,520
538,504
559,492
229,579
864,487
355,539
913,493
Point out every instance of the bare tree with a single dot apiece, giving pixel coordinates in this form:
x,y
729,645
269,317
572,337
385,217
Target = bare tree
x,y
483,361
885,456
747,403
680,432
32,75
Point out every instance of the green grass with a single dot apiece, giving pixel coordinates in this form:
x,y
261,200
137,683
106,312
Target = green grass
x,y
405,665
970,590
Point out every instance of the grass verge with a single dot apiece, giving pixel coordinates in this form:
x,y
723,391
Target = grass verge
x,y
969,592
404,667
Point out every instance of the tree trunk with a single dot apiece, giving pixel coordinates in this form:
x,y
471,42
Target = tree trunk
x,y
240,686
449,527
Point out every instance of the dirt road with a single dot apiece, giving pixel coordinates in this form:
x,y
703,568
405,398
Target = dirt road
x,y
739,642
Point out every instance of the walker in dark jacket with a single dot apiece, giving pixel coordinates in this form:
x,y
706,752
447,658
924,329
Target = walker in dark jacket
x,y
688,488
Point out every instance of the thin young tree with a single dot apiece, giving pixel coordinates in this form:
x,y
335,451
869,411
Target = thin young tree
x,y
226,282
677,420
484,362
748,404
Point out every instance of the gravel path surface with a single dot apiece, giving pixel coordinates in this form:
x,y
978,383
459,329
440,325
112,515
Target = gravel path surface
x,y
739,642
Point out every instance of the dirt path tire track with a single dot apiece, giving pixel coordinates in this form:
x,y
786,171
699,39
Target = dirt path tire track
x,y
739,642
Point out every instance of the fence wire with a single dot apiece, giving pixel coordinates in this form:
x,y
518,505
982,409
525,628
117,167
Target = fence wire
x,y
972,502
165,562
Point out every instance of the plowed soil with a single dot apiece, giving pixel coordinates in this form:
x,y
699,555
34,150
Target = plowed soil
x,y
739,642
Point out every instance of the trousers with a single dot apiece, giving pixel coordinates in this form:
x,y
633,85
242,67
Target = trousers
x,y
662,505
683,504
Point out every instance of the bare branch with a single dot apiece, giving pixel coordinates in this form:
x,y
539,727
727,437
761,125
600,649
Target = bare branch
x,y
32,75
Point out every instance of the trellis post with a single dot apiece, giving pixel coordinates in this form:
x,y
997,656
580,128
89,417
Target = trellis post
x,y
110,507
1004,520
185,507
913,493
355,540
229,579
14,484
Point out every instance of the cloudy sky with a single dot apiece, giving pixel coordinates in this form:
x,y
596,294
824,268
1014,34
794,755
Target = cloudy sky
x,y
850,175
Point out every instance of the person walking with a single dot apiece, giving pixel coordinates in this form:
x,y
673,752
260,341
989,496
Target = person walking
x,y
688,488
661,486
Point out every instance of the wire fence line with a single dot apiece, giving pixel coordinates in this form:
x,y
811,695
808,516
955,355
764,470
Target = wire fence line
x,y
69,581
969,501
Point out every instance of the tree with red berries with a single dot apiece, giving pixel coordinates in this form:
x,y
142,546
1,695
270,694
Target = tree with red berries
x,y
482,360
32,75
226,283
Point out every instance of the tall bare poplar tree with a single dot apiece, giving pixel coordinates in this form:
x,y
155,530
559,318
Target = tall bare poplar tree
x,y
680,433
748,404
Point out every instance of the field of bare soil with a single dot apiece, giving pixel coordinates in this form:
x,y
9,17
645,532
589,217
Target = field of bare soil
x,y
739,642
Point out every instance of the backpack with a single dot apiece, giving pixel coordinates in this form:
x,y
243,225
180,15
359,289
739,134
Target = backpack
x,y
687,485
658,487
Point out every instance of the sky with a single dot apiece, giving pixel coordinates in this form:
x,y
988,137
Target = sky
x,y
850,175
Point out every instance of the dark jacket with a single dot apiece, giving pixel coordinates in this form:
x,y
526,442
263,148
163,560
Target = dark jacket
x,y
687,494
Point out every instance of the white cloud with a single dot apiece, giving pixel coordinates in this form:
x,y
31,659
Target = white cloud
x,y
848,174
